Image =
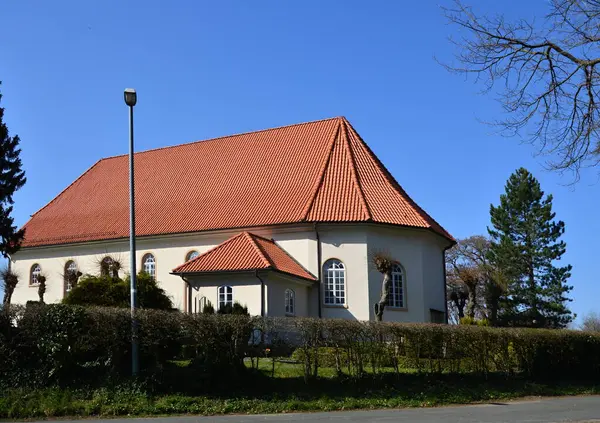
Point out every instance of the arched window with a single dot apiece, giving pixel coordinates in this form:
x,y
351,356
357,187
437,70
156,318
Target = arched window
x,y
36,271
334,273
69,274
106,266
396,292
191,255
290,302
149,265
225,296
199,304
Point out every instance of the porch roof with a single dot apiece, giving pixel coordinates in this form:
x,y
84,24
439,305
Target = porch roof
x,y
245,251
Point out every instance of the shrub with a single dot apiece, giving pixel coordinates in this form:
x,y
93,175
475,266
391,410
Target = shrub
x,y
208,308
64,345
236,309
108,291
471,321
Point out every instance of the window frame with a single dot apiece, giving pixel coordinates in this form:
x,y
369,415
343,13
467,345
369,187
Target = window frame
x,y
402,290
33,272
290,302
325,283
228,292
145,257
68,265
188,255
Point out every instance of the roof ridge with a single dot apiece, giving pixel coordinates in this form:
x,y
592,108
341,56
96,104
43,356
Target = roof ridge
x,y
322,171
258,249
387,174
355,176
227,136
64,190
210,250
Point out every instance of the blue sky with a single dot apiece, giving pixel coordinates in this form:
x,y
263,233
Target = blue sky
x,y
204,69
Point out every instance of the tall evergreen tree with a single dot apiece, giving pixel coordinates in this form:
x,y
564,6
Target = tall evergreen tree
x,y
525,247
12,177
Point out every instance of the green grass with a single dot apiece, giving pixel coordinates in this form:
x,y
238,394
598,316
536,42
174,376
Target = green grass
x,y
286,392
287,369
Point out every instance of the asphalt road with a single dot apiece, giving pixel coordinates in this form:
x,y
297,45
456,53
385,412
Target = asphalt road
x,y
567,409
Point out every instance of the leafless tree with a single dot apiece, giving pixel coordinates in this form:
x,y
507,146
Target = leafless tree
x,y
384,265
591,322
71,278
474,286
41,287
457,300
547,72
9,280
109,265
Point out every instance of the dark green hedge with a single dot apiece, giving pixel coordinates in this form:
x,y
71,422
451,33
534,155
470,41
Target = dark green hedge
x,y
107,291
62,345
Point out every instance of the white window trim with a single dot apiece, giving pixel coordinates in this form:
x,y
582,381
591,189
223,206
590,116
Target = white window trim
x,y
34,272
225,293
70,266
402,287
326,287
145,258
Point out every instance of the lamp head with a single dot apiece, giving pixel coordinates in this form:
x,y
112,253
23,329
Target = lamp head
x,y
130,97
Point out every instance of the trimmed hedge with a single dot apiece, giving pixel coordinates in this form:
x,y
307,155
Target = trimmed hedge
x,y
62,345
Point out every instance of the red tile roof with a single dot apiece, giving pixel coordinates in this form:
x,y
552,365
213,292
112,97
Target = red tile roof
x,y
245,251
310,172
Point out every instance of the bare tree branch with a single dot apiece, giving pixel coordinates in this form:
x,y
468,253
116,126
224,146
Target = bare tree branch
x,y
549,75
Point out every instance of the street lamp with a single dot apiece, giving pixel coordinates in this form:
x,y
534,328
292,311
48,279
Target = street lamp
x,y
131,100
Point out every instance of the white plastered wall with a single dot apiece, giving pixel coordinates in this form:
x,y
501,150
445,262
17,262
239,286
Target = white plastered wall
x,y
245,286
348,243
419,252
276,285
169,252
433,276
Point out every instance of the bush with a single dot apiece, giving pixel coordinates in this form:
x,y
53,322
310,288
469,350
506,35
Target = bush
x,y
326,356
64,345
471,321
107,291
236,309
208,308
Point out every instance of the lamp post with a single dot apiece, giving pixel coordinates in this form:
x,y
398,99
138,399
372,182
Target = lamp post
x,y
131,100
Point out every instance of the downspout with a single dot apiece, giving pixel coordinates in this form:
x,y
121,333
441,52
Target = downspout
x,y
262,294
445,284
319,270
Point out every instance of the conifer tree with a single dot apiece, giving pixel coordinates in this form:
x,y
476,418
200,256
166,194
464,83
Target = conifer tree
x,y
12,177
526,246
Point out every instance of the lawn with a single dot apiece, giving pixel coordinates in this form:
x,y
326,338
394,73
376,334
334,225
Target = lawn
x,y
286,392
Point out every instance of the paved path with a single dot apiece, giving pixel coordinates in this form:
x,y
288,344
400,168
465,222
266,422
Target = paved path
x,y
567,409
